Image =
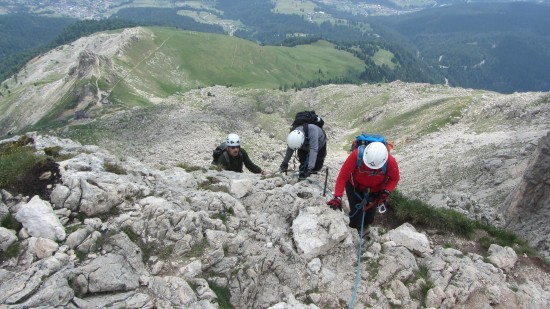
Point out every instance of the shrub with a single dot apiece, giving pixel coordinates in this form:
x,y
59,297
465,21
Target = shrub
x,y
24,172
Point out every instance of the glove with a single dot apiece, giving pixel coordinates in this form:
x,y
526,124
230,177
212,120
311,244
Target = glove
x,y
283,168
335,203
383,196
304,174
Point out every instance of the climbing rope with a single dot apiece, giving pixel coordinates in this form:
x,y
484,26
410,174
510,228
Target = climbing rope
x,y
360,205
358,264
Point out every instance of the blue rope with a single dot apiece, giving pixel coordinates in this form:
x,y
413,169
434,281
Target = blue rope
x,y
360,204
358,265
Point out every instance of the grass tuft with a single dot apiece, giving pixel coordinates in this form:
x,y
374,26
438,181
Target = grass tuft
x,y
22,171
15,161
114,168
13,251
422,272
10,223
422,214
223,294
418,212
190,168
197,249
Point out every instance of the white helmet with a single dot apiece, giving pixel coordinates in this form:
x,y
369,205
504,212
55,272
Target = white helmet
x,y
375,155
233,140
295,139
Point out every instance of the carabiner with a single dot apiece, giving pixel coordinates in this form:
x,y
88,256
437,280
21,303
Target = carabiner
x,y
382,208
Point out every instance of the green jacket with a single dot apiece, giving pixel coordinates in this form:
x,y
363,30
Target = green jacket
x,y
235,164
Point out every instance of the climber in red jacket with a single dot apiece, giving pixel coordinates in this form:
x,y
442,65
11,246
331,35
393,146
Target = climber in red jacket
x,y
368,178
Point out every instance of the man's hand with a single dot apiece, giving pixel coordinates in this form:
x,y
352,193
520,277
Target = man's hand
x,y
335,203
283,168
264,172
383,196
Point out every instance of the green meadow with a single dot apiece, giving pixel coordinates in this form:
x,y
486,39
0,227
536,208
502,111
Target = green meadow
x,y
172,60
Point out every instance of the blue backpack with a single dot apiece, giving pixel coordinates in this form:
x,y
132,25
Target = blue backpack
x,y
362,141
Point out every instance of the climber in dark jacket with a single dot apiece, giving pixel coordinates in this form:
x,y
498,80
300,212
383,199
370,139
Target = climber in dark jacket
x,y
234,157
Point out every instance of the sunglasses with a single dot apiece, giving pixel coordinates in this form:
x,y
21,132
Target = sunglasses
x,y
234,147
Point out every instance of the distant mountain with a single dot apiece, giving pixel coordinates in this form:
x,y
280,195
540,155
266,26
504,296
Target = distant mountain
x,y
501,47
495,46
142,66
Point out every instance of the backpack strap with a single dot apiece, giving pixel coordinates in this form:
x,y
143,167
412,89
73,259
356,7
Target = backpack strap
x,y
306,131
360,151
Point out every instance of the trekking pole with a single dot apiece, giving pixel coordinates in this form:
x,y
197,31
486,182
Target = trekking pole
x,y
326,179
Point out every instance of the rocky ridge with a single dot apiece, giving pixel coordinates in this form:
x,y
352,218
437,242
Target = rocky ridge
x,y
473,163
463,149
168,238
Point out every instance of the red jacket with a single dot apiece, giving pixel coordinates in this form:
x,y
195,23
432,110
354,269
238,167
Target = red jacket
x,y
364,177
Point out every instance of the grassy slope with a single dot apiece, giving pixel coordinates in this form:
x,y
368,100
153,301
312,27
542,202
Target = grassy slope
x,y
166,62
177,61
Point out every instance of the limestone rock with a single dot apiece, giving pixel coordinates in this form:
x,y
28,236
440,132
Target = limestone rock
x,y
39,220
